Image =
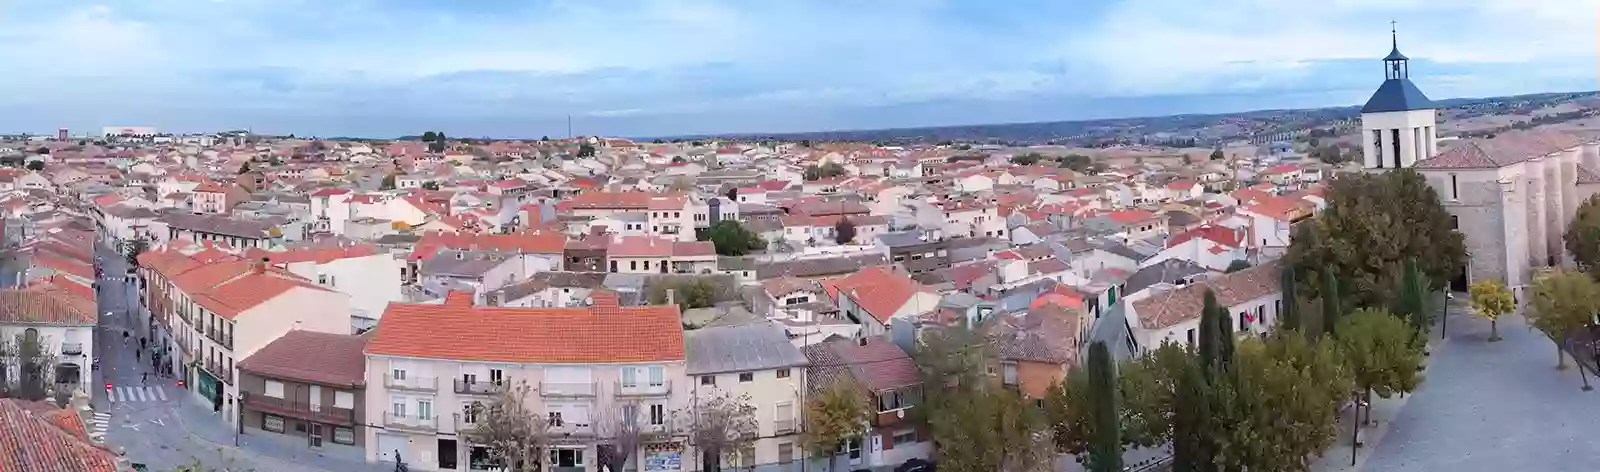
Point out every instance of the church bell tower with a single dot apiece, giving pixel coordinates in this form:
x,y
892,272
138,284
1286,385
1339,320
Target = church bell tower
x,y
1397,123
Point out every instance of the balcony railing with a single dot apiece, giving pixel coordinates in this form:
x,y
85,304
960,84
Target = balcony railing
x,y
218,336
644,389
421,384
567,389
475,388
303,410
216,370
783,426
72,349
412,422
572,429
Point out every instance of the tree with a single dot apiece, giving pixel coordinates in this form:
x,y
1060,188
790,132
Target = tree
x,y
1148,389
1210,349
687,294
1105,451
1411,303
732,239
1216,155
623,431
429,136
1332,305
513,433
1078,163
844,231
1193,440
721,425
1187,160
1280,408
681,183
1237,265
1491,299
1290,318
586,150
387,183
35,367
1583,237
983,428
838,413
244,168
430,185
35,166
134,248
1373,223
1382,353
826,170
1026,159
1564,303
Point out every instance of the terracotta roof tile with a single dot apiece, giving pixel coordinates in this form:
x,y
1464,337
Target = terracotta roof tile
x,y
603,333
877,290
310,356
46,307
32,440
1169,308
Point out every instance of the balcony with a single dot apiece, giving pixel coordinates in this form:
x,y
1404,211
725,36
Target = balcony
x,y
215,369
644,389
216,335
302,410
783,426
393,420
571,429
72,349
420,384
567,389
476,388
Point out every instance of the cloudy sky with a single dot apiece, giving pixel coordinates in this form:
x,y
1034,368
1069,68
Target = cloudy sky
x,y
511,68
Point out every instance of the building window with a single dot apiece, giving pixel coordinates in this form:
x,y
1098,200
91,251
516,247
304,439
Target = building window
x,y
1191,336
747,377
905,436
1244,323
658,376
658,414
783,373
708,380
633,265
566,457
1455,191
274,389
497,376
785,453
398,374
273,423
469,413
555,419
1009,373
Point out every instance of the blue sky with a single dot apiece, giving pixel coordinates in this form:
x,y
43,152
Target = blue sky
x,y
385,68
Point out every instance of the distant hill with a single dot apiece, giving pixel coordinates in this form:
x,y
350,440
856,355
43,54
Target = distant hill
x,y
1203,128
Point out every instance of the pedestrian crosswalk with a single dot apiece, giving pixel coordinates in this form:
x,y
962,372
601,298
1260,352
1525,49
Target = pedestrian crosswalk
x,y
138,394
98,425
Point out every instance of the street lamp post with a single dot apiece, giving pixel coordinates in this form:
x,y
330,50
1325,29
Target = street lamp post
x,y
1444,313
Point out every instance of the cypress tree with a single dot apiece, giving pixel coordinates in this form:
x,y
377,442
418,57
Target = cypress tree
x,y
1332,309
1289,318
1225,340
1191,422
1105,442
1209,349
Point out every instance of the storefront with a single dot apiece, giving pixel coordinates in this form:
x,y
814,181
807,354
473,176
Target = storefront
x,y
208,387
663,457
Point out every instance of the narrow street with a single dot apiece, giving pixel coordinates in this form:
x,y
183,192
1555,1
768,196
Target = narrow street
x,y
154,420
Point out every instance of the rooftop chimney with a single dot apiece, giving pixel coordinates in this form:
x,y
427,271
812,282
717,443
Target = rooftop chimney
x,y
260,267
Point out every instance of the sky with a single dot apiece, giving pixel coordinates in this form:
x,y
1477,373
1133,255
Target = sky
x,y
503,68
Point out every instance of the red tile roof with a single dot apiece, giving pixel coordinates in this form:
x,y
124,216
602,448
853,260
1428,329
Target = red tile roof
x,y
877,366
44,305
526,242
1130,216
38,437
603,333
1221,235
1169,308
314,357
319,255
879,291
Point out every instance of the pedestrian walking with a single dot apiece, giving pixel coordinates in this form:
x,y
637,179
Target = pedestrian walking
x,y
136,356
144,378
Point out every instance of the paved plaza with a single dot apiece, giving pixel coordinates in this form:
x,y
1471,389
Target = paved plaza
x,y
1493,407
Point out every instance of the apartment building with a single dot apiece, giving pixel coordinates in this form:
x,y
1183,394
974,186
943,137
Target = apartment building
x,y
372,277
432,367
653,254
308,385
755,361
58,322
884,374
214,309
671,214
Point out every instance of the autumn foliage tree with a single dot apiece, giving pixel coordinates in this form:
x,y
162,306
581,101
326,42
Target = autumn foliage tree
x,y
1490,299
1563,303
833,417
1382,352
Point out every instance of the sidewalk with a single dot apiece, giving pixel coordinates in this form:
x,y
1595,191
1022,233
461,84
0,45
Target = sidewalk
x,y
1384,410
205,425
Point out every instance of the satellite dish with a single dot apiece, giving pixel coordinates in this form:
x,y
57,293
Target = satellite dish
x,y
900,414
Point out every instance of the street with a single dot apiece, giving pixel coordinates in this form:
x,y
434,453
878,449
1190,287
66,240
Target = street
x,y
155,421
